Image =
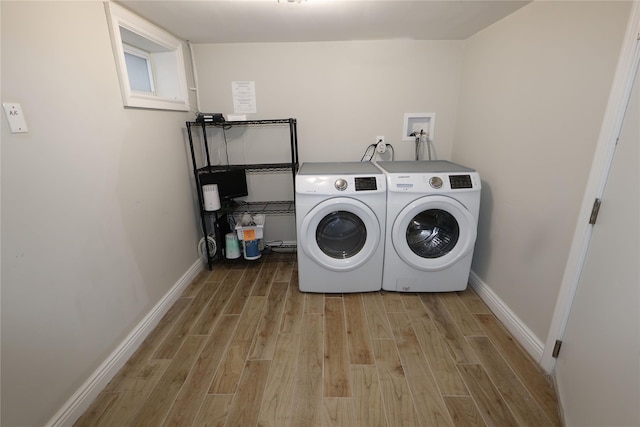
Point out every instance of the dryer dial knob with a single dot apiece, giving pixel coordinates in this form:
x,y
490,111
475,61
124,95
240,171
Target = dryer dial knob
x,y
435,182
341,184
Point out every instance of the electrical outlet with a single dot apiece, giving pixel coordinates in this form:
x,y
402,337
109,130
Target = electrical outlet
x,y
379,139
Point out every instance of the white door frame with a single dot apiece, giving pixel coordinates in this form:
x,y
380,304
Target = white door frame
x,y
609,132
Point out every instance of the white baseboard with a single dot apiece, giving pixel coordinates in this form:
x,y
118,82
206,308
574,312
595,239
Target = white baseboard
x,y
514,325
87,393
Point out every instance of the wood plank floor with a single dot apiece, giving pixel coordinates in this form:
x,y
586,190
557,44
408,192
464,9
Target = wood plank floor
x,y
243,347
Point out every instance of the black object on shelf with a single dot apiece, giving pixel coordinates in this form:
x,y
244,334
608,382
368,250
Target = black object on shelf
x,y
231,179
210,118
231,183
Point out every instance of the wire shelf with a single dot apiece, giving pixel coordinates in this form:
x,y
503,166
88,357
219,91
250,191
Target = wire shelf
x,y
246,122
280,207
254,168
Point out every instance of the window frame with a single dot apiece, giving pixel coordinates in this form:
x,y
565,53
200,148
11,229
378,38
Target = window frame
x,y
171,63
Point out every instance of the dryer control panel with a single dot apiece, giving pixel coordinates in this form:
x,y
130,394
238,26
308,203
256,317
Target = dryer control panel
x,y
366,183
340,184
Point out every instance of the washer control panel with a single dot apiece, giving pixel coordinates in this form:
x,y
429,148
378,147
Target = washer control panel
x,y
460,181
433,182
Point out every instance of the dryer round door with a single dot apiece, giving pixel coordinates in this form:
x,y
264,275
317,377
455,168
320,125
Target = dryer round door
x,y
340,234
433,233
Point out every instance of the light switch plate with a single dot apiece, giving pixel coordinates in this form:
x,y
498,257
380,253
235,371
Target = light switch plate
x,y
17,124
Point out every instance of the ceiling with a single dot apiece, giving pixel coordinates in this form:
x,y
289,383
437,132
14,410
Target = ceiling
x,y
247,21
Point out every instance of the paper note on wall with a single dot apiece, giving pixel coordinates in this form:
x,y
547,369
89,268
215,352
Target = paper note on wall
x,y
244,97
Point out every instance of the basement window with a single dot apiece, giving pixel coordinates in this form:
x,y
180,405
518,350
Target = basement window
x,y
149,62
139,72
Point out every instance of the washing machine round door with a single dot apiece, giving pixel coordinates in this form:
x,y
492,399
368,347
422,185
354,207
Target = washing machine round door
x,y
340,234
433,233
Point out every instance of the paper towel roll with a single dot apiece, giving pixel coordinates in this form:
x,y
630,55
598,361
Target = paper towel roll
x,y
211,197
232,246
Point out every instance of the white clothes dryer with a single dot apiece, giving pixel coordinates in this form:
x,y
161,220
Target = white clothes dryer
x,y
340,220
432,219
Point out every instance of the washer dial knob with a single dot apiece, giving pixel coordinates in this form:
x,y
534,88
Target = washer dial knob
x,y
435,182
341,184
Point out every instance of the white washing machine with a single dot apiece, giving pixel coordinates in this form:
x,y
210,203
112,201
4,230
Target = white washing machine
x,y
340,220
432,219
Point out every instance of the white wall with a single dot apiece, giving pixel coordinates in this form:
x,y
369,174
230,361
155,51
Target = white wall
x,y
97,209
343,95
534,89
